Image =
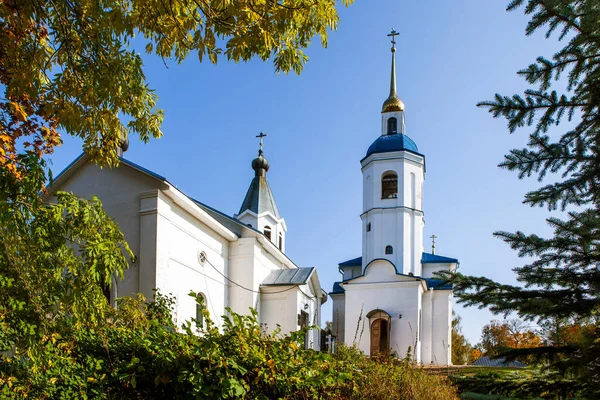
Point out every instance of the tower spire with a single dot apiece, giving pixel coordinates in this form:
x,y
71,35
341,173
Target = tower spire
x,y
393,103
393,34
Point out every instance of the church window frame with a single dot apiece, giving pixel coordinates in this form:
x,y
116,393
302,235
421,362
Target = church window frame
x,y
368,227
200,306
267,232
389,249
389,185
280,241
392,126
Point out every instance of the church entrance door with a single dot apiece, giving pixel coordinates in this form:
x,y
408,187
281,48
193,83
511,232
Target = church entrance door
x,y
380,336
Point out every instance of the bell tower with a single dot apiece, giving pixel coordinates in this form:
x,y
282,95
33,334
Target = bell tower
x,y
393,174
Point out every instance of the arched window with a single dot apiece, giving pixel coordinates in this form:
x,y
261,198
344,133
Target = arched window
x,y
280,241
389,185
200,305
268,232
369,227
392,126
389,250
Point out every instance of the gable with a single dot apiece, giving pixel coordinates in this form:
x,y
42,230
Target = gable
x,y
381,270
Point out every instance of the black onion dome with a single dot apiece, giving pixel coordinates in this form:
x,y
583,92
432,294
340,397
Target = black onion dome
x,y
260,164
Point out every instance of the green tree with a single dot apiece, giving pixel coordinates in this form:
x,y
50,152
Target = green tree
x,y
497,337
68,67
563,280
461,348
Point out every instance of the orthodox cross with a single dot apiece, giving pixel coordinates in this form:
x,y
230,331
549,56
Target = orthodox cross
x,y
433,237
260,137
393,34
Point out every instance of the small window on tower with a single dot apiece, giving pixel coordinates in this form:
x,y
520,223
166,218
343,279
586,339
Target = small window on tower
x,y
389,185
392,126
389,250
369,227
268,232
280,241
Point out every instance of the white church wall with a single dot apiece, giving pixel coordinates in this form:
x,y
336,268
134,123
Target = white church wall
x,y
241,261
118,189
397,295
181,238
441,339
430,269
427,327
307,301
338,316
279,309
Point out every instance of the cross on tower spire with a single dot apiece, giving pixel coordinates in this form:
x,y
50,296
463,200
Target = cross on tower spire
x,y
393,34
260,137
433,237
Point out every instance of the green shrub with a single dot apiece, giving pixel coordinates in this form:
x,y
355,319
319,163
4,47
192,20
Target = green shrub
x,y
138,353
527,384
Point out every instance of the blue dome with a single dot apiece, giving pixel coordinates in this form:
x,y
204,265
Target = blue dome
x,y
387,143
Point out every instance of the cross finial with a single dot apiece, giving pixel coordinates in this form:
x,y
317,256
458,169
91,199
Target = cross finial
x,y
260,137
433,237
393,34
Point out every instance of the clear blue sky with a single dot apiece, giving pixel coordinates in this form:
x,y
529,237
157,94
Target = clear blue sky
x,y
319,124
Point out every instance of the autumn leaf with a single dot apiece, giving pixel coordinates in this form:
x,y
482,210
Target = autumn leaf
x,y
18,111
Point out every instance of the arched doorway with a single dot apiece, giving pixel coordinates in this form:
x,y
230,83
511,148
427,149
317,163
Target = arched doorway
x,y
379,322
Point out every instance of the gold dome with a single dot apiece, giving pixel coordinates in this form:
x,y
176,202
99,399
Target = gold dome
x,y
392,103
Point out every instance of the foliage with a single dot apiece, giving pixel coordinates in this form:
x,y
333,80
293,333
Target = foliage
x,y
561,284
55,262
511,334
462,351
70,65
137,352
515,385
386,377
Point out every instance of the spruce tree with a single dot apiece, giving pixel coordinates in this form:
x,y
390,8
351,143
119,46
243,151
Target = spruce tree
x,y
561,286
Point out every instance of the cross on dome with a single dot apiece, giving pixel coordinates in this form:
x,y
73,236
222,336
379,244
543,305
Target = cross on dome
x,y
260,137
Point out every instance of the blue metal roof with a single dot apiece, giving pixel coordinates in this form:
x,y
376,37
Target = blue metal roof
x,y
337,288
498,362
437,284
281,277
355,262
428,258
388,143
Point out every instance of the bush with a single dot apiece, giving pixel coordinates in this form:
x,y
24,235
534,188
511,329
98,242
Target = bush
x,y
138,353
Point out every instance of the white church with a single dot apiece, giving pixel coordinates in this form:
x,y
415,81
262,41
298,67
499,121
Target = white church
x,y
389,300
182,245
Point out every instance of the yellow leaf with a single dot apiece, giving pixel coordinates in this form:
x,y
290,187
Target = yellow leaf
x,y
18,111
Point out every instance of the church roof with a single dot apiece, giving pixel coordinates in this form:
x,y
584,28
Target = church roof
x,y
337,288
394,142
355,262
284,277
259,198
498,362
437,284
428,258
